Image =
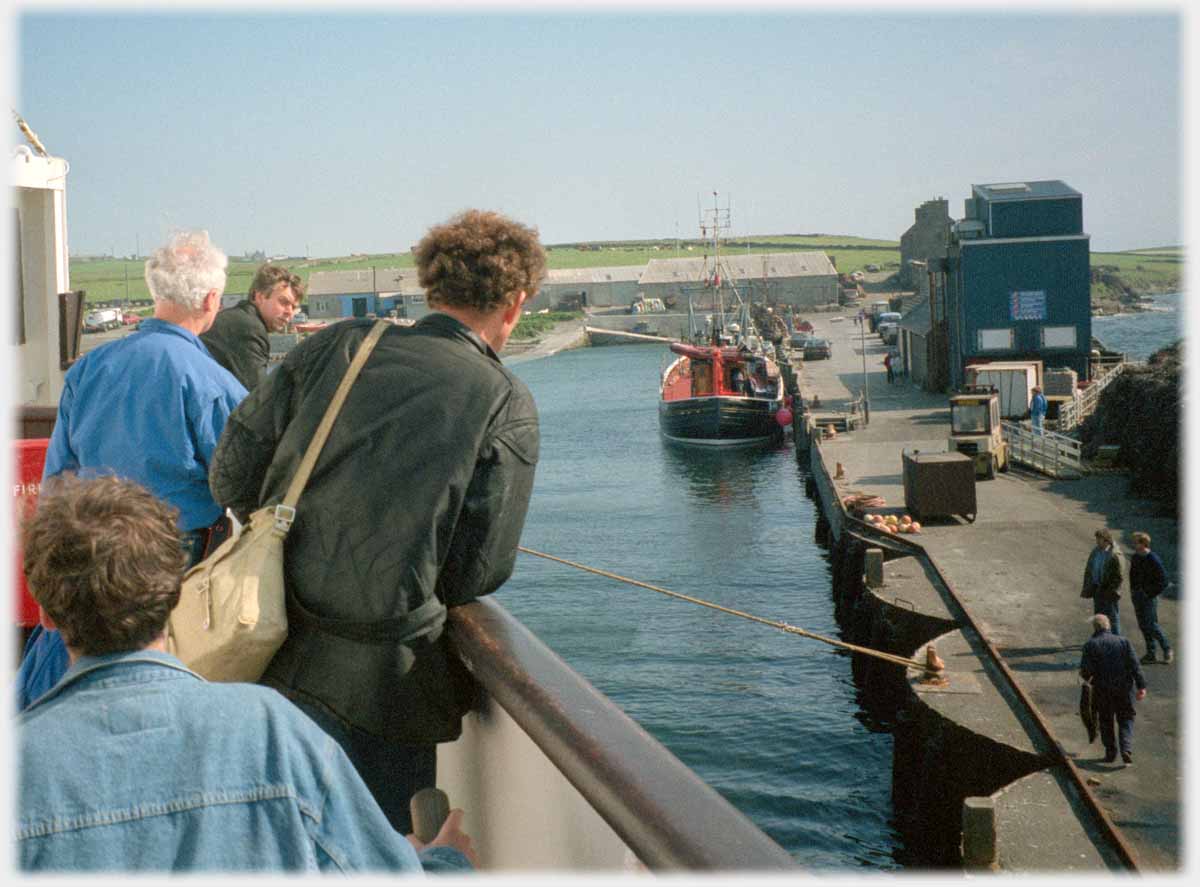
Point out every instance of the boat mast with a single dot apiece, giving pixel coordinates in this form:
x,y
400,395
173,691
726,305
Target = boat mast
x,y
719,219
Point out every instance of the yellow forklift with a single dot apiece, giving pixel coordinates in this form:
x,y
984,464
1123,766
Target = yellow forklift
x,y
975,429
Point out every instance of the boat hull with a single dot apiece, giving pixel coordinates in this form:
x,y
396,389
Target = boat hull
x,y
719,420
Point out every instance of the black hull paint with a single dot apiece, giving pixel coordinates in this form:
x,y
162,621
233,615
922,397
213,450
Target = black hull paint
x,y
719,420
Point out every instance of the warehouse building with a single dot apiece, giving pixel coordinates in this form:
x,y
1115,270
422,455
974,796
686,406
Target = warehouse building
x,y
1018,283
588,287
799,279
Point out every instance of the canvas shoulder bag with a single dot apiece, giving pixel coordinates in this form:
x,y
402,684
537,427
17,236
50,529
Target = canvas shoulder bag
x,y
232,612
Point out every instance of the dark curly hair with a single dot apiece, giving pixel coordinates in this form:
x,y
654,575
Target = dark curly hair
x,y
104,559
479,260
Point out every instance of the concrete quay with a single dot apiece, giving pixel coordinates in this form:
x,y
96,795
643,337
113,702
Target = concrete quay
x,y
1009,580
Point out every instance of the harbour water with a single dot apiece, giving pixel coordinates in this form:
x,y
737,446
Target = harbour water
x,y
1140,334
771,720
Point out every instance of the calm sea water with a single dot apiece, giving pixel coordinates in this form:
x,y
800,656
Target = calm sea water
x,y
1140,335
771,720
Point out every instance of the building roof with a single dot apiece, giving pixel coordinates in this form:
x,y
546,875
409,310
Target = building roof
x,y
999,191
367,280
918,319
612,274
742,267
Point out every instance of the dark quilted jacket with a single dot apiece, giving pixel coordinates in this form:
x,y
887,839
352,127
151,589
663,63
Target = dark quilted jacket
x,y
417,502
239,342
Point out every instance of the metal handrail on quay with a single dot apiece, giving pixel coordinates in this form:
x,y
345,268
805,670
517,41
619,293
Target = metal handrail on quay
x,y
661,811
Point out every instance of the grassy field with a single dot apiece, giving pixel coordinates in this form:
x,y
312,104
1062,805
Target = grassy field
x,y
1150,270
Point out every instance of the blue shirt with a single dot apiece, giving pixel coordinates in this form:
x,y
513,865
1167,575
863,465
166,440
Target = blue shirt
x,y
149,408
135,763
1037,406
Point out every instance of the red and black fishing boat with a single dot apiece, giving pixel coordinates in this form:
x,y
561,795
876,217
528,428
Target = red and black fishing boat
x,y
720,395
723,390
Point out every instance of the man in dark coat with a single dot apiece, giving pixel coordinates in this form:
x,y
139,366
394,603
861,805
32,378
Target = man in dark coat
x,y
1102,578
416,503
238,338
1117,681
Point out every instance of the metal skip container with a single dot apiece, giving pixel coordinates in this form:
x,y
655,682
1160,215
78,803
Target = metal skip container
x,y
939,485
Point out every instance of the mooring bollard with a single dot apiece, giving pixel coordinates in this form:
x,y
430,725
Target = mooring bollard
x,y
873,567
979,834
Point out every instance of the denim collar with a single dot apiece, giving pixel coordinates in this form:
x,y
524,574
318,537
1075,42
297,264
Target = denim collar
x,y
87,665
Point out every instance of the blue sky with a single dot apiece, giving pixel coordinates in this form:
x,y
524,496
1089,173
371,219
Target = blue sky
x,y
305,130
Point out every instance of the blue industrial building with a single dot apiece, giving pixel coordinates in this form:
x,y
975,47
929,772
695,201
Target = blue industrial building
x,y
1018,284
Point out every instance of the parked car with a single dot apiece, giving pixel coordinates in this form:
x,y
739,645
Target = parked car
x,y
299,317
872,268
818,349
798,340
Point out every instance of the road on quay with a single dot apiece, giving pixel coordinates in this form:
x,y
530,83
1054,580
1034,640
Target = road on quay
x,y
1018,569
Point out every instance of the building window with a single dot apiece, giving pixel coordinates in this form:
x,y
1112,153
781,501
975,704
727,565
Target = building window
x,y
996,339
1059,337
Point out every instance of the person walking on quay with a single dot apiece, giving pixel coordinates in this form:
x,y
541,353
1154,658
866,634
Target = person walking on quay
x,y
149,408
1102,577
887,365
1147,580
1037,409
239,337
1111,666
416,504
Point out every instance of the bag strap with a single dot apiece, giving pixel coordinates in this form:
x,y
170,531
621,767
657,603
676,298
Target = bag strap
x,y
296,487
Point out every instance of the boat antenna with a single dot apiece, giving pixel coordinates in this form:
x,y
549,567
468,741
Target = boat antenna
x,y
30,135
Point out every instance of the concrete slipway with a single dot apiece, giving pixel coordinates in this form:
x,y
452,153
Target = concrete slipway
x,y
1013,577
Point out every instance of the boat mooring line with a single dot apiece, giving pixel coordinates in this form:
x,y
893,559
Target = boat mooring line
x,y
782,626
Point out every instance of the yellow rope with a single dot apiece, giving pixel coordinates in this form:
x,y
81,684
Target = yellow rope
x,y
782,626
30,135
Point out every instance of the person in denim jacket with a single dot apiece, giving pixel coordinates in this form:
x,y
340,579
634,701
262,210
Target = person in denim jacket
x,y
134,763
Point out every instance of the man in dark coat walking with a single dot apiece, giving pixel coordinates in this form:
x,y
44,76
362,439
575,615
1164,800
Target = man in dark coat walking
x,y
238,339
1117,682
416,503
1102,578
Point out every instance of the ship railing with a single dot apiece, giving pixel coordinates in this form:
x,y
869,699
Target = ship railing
x,y
553,775
1053,454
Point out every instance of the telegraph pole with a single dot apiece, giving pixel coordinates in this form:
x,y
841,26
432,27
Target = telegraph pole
x,y
862,329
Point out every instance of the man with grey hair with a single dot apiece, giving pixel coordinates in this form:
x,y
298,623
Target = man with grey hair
x,y
148,408
1111,666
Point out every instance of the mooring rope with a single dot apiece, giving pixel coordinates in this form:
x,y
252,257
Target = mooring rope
x,y
782,626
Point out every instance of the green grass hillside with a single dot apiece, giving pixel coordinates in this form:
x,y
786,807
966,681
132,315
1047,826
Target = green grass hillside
x,y
1116,277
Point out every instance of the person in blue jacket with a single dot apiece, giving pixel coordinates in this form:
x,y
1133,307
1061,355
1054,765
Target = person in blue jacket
x,y
133,763
1037,409
1147,580
150,408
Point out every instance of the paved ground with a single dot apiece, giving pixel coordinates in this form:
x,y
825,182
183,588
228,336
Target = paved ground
x,y
1018,569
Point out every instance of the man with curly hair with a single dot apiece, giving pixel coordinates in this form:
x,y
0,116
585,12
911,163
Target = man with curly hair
x,y
133,763
415,505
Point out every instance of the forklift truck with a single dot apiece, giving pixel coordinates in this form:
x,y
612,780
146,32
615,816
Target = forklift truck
x,y
975,429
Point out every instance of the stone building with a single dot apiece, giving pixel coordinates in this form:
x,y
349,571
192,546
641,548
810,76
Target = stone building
x,y
926,239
